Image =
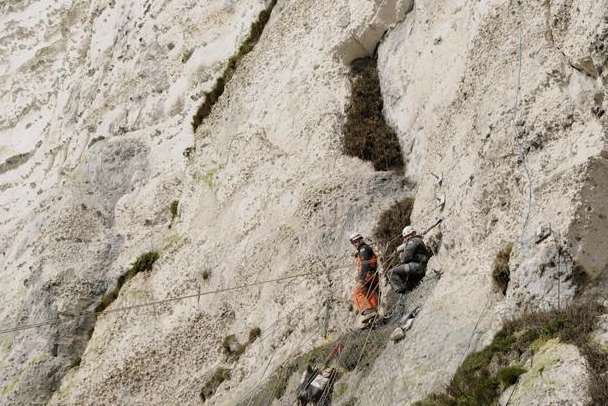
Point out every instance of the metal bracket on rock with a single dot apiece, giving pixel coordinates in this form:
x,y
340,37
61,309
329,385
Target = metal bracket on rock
x,y
441,202
438,179
439,221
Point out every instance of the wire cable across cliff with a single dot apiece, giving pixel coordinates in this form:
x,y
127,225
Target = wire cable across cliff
x,y
51,322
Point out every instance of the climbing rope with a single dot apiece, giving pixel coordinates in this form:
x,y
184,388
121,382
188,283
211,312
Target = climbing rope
x,y
267,399
268,331
512,393
469,342
250,401
523,157
199,294
272,394
351,338
522,152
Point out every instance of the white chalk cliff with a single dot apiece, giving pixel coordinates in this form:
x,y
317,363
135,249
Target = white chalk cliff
x,y
500,111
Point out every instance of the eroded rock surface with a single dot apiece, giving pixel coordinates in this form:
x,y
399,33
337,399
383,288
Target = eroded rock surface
x,y
500,111
98,97
557,375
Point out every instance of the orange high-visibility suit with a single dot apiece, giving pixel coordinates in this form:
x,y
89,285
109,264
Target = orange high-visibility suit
x,y
365,294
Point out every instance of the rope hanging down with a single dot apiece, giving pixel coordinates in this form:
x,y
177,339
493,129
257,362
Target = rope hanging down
x,y
523,155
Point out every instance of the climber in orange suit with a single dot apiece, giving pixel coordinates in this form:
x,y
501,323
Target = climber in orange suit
x,y
365,294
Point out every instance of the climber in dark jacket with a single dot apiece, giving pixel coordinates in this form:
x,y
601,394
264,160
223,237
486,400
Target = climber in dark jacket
x,y
365,294
366,291
413,257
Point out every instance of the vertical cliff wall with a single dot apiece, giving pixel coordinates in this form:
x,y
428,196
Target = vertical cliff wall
x,y
212,134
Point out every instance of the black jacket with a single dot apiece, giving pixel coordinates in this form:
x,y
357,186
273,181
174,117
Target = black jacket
x,y
367,261
414,250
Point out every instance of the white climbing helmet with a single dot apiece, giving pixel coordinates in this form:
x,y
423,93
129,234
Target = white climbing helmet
x,y
408,230
355,236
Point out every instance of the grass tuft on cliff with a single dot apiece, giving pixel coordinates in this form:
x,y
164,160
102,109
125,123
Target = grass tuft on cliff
x,y
173,209
219,376
254,334
501,273
232,347
509,375
143,263
255,32
388,229
366,134
483,375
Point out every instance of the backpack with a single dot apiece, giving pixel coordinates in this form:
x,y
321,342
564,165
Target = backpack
x,y
314,384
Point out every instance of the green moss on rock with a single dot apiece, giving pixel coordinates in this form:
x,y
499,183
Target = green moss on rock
x,y
509,375
143,263
219,376
366,134
482,376
340,390
173,209
501,273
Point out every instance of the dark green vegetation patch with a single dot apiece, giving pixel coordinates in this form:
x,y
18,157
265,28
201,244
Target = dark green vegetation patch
x,y
257,28
254,333
483,375
173,209
143,263
509,375
388,230
366,134
501,273
217,378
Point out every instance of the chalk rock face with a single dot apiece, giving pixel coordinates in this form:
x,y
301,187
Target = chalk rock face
x,y
502,137
500,112
98,98
601,335
557,375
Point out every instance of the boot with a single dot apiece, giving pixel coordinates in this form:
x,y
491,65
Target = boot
x,y
397,334
365,319
405,324
388,300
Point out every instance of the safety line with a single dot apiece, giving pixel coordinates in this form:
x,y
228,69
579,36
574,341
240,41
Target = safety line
x,y
162,301
483,311
268,330
522,152
252,392
371,329
512,393
523,157
376,280
274,389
